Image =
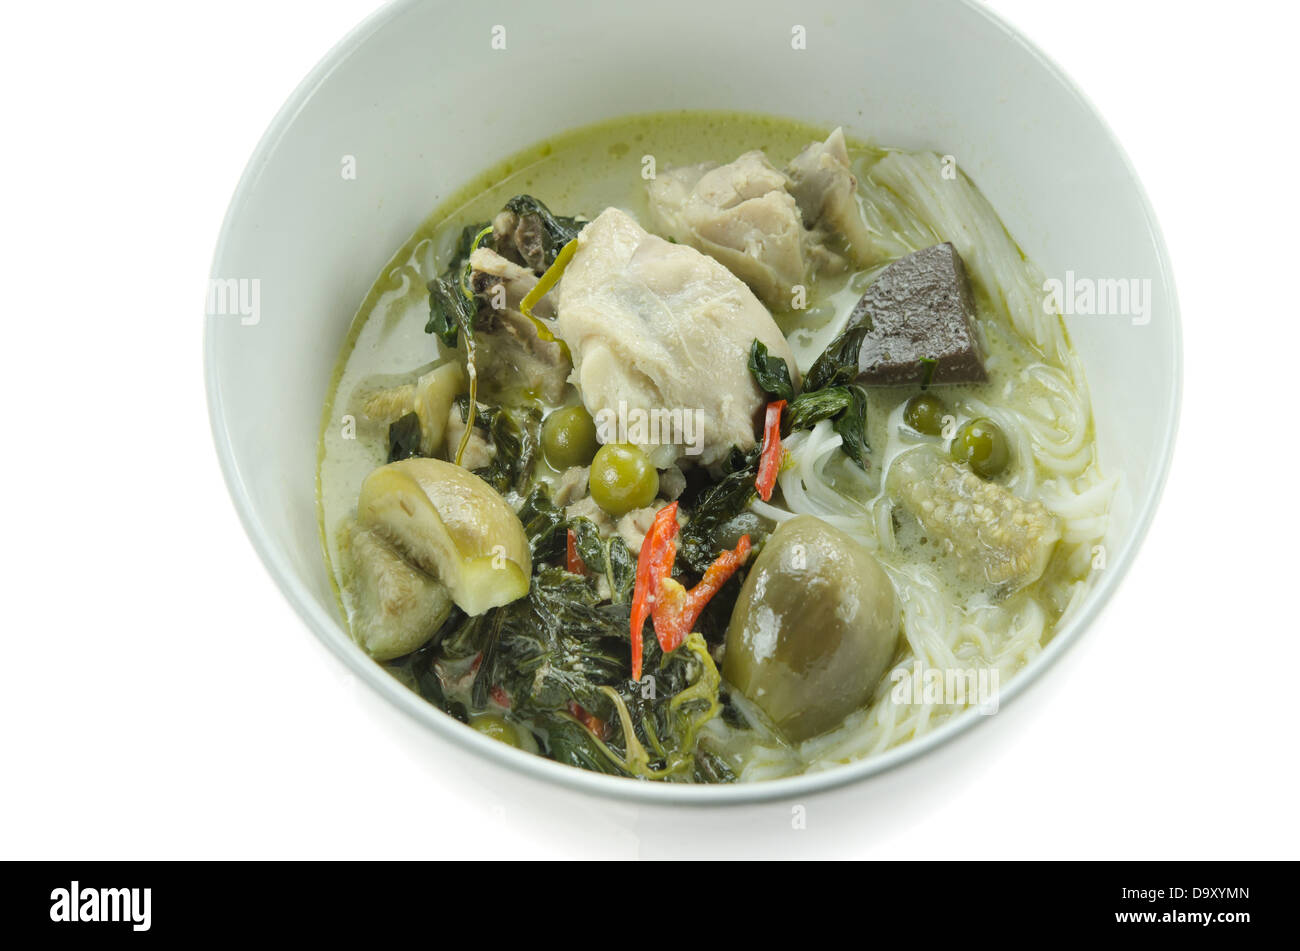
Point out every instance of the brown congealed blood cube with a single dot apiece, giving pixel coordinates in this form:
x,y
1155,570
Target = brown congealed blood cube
x,y
920,308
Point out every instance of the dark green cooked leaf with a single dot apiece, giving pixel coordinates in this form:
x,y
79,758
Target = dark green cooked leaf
x,y
404,438
590,546
812,406
838,364
622,570
852,427
714,507
451,313
544,525
771,373
846,405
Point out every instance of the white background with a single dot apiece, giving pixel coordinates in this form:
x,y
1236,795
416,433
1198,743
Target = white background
x,y
158,698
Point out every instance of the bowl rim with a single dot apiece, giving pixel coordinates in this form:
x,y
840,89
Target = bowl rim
x,y
325,626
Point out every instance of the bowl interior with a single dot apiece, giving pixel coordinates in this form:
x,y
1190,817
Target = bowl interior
x,y
410,89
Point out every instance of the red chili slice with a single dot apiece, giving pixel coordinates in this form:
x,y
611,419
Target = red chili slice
x,y
769,462
675,614
653,564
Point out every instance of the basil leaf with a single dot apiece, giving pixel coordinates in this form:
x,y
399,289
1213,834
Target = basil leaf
x,y
591,547
852,427
450,311
771,373
839,363
404,438
622,570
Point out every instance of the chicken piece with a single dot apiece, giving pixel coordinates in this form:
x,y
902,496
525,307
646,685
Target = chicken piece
x,y
657,326
739,214
825,190
571,486
672,483
488,269
511,353
995,536
587,508
479,451
520,238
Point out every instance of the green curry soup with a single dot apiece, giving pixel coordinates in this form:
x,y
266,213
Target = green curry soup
x,y
705,447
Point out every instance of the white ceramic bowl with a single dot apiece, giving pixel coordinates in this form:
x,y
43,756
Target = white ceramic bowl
x,y
411,88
